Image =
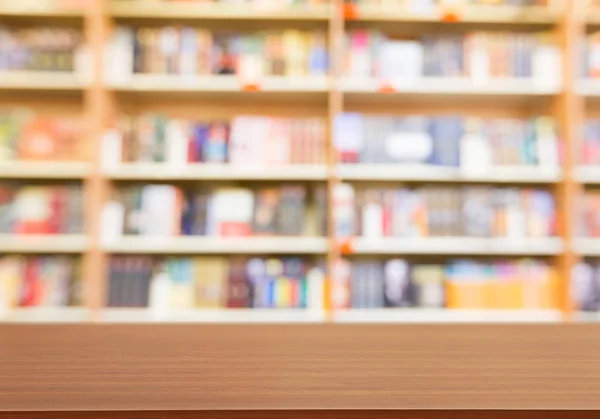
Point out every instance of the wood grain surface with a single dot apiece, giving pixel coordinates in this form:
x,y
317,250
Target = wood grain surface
x,y
309,414
270,367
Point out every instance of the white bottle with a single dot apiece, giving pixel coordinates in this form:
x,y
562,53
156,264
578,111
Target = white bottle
x,y
160,296
475,151
547,143
111,150
112,221
315,293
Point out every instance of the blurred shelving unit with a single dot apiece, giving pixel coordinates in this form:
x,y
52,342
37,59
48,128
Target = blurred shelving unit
x,y
325,96
584,107
60,92
476,97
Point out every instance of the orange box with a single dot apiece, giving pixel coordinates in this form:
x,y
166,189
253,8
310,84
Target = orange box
x,y
505,294
386,88
350,11
467,294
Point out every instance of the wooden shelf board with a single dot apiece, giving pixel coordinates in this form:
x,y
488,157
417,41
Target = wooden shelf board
x,y
586,246
47,315
410,315
39,80
63,243
43,170
444,86
589,88
215,245
144,315
473,14
592,17
175,83
150,171
430,173
585,316
587,174
458,246
182,11
37,9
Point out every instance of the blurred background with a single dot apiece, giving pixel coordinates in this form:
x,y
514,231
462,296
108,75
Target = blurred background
x,y
299,160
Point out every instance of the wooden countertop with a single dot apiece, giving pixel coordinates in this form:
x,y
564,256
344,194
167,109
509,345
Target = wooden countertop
x,y
270,367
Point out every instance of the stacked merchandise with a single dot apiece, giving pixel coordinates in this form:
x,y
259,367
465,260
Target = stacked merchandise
x,y
54,49
590,222
164,210
446,140
27,136
189,51
208,282
39,282
444,212
590,150
480,56
585,286
41,209
242,141
461,284
590,56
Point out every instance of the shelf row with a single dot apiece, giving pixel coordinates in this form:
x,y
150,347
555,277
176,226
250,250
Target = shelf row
x,y
473,14
141,315
56,81
66,244
508,15
300,172
67,82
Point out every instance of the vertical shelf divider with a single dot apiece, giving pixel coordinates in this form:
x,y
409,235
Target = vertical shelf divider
x,y
97,108
570,116
335,107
